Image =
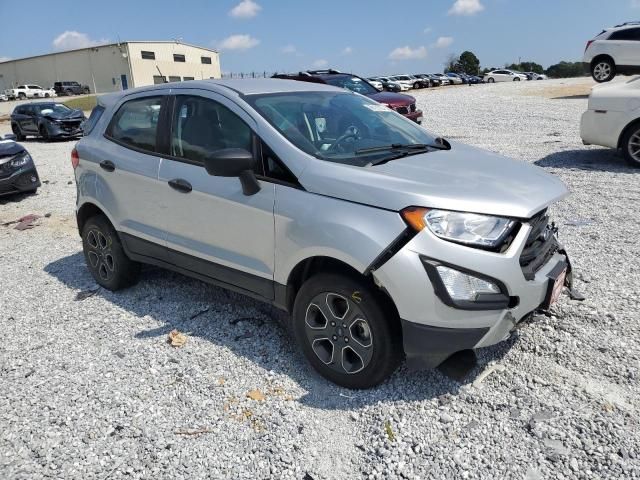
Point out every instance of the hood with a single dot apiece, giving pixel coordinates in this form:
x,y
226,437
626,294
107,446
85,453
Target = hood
x,y
390,98
464,179
8,148
71,115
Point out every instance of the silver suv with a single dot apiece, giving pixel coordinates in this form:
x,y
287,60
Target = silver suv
x,y
380,239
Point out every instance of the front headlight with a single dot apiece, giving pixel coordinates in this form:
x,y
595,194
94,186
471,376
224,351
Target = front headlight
x,y
461,227
21,160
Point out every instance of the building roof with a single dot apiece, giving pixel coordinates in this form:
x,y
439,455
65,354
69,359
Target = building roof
x,y
110,44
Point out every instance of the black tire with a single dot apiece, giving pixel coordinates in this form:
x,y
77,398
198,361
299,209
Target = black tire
x,y
491,80
17,132
86,91
21,96
105,257
44,133
603,70
68,93
631,145
416,86
46,95
517,79
366,337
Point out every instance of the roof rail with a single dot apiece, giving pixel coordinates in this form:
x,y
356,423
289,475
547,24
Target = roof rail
x,y
325,71
636,22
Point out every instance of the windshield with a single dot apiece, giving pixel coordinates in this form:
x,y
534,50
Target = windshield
x,y
340,126
48,108
354,84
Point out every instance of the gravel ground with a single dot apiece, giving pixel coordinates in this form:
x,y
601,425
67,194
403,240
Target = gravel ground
x,y
91,389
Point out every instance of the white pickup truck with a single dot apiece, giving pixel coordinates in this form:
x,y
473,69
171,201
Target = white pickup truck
x,y
25,91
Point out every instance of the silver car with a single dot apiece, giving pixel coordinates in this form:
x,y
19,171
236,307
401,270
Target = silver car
x,y
381,240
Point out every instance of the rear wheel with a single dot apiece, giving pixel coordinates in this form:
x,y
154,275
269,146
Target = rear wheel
x,y
603,70
631,145
346,331
17,132
86,90
105,257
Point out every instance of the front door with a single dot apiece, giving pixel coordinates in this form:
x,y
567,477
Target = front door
x,y
213,229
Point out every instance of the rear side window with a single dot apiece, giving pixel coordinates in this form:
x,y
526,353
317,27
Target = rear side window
x,y
632,34
90,123
201,126
135,124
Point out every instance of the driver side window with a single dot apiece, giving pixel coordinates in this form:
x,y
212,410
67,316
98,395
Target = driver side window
x,y
201,126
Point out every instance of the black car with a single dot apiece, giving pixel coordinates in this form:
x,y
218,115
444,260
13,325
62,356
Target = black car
x,y
70,88
433,80
17,171
47,120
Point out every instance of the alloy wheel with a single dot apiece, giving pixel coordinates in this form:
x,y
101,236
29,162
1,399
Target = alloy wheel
x,y
339,333
100,255
602,71
634,146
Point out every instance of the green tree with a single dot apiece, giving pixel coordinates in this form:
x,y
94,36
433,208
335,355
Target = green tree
x,y
566,70
526,67
468,63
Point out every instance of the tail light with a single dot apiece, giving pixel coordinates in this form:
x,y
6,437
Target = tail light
x,y
588,44
75,158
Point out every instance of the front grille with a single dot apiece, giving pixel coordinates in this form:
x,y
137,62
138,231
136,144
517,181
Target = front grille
x,y
402,110
540,246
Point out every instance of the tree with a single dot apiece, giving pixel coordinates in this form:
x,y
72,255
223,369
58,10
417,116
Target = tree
x,y
526,67
566,70
468,63
451,64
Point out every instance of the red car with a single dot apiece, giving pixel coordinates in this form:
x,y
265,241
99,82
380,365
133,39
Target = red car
x,y
403,104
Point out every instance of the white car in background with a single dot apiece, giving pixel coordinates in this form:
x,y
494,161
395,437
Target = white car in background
x,y
613,119
504,75
404,81
24,91
537,76
377,84
615,50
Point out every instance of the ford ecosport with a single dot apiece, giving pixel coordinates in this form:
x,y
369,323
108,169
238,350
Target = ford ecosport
x,y
380,239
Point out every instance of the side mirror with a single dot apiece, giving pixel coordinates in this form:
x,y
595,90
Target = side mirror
x,y
234,162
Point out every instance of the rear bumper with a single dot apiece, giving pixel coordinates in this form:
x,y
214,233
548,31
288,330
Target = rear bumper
x,y
600,127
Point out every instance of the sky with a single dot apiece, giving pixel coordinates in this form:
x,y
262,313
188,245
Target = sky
x,y
375,37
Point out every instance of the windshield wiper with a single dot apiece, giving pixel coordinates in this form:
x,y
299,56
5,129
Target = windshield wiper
x,y
395,146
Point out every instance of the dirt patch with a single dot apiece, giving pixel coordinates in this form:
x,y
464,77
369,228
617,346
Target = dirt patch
x,y
581,90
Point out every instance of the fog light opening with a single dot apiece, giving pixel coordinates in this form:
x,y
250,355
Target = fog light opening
x,y
461,286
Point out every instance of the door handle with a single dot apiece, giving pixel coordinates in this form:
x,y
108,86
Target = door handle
x,y
107,165
180,185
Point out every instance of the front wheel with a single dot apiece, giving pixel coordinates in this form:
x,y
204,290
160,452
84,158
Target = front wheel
x,y
631,145
86,91
517,79
346,331
44,133
105,257
21,96
416,86
603,70
491,80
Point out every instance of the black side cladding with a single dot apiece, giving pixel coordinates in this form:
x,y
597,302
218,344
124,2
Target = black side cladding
x,y
394,247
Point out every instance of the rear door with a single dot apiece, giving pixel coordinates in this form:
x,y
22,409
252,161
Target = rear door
x,y
213,229
127,171
626,46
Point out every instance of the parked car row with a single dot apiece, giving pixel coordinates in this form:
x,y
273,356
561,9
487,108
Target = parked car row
x,y
403,104
23,92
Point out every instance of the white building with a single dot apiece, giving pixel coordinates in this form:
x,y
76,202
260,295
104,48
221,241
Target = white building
x,y
115,66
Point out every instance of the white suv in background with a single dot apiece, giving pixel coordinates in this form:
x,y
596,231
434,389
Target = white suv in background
x,y
504,75
615,50
25,91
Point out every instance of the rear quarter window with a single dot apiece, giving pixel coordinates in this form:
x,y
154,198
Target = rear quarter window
x,y
90,123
